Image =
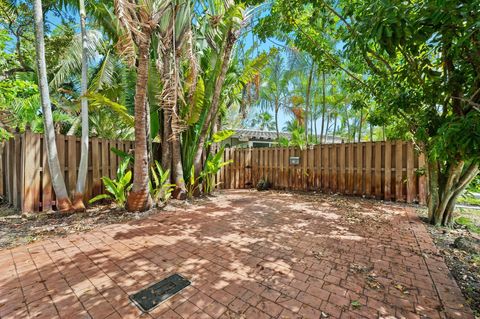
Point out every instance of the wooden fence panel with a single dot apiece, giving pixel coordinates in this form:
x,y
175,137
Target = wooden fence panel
x,y
25,179
386,170
369,169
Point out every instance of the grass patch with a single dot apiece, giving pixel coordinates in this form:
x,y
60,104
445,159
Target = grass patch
x,y
468,223
469,200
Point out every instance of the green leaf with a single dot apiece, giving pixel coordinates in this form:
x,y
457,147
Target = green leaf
x,y
222,135
99,197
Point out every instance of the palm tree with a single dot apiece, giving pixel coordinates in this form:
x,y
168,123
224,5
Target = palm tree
x,y
139,20
63,202
174,27
263,121
274,92
229,29
83,166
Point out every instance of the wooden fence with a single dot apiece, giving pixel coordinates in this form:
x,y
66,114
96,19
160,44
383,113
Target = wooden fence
x,y
25,179
383,170
388,170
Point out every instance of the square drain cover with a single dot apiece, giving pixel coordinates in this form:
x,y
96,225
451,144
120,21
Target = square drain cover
x,y
152,296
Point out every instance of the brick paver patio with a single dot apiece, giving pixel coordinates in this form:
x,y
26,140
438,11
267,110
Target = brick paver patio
x,y
248,255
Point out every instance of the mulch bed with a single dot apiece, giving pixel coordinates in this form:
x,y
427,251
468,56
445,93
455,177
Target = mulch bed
x,y
16,229
464,266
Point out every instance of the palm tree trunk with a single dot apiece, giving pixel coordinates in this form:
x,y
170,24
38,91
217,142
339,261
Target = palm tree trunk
x,y
212,112
276,118
177,165
63,202
360,127
334,128
166,143
83,166
327,128
324,106
139,198
307,102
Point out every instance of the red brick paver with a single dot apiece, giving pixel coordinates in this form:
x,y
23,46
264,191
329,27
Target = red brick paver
x,y
248,255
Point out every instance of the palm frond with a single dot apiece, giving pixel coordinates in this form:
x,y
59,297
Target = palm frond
x,y
72,58
97,100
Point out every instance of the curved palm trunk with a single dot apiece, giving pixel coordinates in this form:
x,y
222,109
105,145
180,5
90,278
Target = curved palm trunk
x,y
63,202
139,198
307,104
324,107
212,112
83,166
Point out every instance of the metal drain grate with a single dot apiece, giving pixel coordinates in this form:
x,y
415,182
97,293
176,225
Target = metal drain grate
x,y
152,296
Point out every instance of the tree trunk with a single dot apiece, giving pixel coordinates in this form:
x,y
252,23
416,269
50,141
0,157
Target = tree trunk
x,y
444,188
307,102
212,112
63,202
180,191
360,127
334,128
78,204
371,133
327,127
71,131
276,118
139,198
166,142
324,107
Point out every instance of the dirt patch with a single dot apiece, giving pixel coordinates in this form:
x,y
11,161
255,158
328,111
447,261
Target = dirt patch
x,y
17,229
463,265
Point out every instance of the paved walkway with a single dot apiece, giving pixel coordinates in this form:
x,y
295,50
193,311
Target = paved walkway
x,y
248,255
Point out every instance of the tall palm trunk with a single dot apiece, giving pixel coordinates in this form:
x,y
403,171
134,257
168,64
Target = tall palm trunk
x,y
334,128
327,127
360,127
212,112
324,106
139,198
307,102
277,107
83,166
63,202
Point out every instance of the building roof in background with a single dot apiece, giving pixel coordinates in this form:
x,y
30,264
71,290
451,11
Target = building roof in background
x,y
258,135
249,134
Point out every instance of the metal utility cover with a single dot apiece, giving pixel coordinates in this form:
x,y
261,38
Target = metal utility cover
x,y
152,296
